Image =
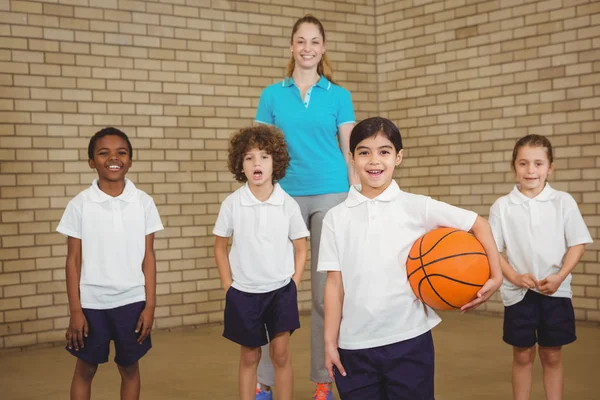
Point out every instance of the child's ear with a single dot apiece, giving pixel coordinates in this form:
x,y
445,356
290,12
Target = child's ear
x,y
351,157
399,157
551,169
91,163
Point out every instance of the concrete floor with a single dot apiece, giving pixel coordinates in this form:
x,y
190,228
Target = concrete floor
x,y
472,362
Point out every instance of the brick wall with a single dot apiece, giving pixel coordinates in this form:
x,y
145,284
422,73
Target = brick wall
x,y
179,77
461,78
465,79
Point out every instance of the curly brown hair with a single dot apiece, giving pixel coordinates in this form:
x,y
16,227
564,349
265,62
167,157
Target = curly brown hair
x,y
263,137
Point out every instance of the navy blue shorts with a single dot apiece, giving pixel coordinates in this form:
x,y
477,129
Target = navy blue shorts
x,y
398,371
116,324
249,316
548,321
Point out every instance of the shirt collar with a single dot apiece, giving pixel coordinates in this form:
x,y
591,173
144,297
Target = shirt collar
x,y
545,195
276,198
98,196
323,82
355,197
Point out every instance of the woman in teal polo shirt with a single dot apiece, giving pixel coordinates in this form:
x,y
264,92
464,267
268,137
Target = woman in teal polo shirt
x,y
316,117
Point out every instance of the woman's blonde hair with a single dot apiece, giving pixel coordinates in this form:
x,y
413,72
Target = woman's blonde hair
x,y
324,67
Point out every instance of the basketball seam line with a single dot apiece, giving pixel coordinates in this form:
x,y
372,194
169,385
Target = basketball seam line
x,y
443,259
434,245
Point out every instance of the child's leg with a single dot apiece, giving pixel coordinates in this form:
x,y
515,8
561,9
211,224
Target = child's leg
x,y
130,381
522,372
553,372
408,368
81,386
556,330
282,361
249,358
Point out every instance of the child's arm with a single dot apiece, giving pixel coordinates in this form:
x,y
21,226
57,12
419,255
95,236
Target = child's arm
x,y
223,261
334,300
551,283
146,318
300,255
526,281
482,231
78,326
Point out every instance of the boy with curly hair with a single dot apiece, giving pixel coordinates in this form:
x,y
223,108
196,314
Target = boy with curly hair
x,y
268,252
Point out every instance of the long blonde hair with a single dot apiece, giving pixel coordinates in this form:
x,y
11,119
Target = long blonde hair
x,y
324,67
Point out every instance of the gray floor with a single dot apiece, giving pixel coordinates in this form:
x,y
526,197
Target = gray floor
x,y
472,363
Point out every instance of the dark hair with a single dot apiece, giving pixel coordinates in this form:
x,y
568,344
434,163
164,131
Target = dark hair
x,y
110,131
324,67
372,127
263,137
532,141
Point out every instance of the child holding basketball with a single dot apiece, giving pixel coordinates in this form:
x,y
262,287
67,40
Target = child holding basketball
x,y
544,235
377,333
110,268
267,257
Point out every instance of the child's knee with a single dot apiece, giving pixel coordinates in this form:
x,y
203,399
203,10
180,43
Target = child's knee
x,y
524,356
550,356
85,370
129,372
250,356
280,355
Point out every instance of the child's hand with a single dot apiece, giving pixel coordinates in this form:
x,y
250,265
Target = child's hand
x,y
526,281
550,284
332,358
484,294
296,281
144,324
77,330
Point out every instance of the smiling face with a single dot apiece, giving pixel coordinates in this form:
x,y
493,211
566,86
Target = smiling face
x,y
308,46
532,168
111,158
258,167
375,159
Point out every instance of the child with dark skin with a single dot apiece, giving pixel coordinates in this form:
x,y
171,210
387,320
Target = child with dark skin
x,y
111,281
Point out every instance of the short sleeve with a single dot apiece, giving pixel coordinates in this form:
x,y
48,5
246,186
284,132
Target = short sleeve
x,y
264,112
495,221
153,222
328,254
70,223
439,214
576,232
346,109
224,225
297,226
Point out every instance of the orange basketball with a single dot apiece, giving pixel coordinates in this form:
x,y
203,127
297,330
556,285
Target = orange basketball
x,y
446,267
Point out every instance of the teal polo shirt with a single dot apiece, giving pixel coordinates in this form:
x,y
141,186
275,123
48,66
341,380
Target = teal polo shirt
x,y
310,127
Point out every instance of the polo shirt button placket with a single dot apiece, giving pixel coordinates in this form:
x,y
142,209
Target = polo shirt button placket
x,y
117,218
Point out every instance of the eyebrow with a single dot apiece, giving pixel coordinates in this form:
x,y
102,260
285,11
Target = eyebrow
x,y
387,146
316,37
120,148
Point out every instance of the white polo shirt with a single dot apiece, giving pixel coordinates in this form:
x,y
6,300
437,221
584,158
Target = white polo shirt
x,y
262,253
368,240
537,233
113,243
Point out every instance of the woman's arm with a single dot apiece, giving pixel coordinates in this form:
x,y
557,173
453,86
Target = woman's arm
x,y
344,132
